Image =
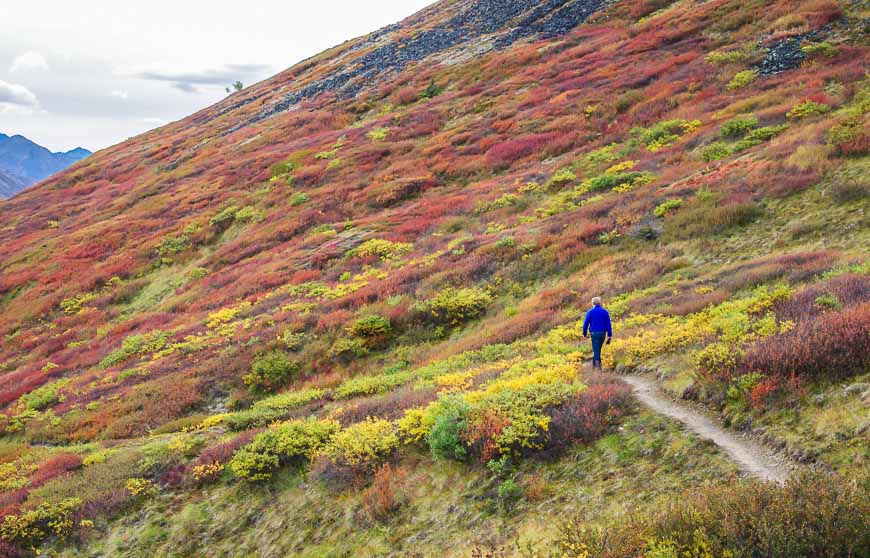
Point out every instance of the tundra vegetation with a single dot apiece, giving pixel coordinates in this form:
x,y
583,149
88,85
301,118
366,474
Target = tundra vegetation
x,y
353,328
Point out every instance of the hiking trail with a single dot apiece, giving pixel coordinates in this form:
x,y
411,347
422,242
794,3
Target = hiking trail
x,y
753,458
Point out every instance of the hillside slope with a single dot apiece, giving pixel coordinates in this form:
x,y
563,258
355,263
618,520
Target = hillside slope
x,y
385,253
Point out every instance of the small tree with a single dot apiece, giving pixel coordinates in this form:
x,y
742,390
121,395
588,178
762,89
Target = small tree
x,y
238,86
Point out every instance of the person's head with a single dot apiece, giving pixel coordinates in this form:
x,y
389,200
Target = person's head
x,y
596,301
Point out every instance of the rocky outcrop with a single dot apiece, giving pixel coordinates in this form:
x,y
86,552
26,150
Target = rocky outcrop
x,y
506,21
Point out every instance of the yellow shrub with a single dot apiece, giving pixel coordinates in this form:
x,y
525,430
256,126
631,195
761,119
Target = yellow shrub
x,y
367,442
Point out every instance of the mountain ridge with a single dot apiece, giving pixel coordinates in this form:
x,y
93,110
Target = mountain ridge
x,y
30,163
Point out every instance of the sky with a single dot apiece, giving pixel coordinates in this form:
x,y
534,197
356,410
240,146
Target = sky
x,y
96,72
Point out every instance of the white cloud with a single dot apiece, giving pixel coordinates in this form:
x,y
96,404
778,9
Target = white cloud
x,y
16,97
119,93
29,61
190,82
155,121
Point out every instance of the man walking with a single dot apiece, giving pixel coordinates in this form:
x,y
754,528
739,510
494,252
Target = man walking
x,y
597,323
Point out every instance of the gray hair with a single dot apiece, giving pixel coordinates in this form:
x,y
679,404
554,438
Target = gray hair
x,y
596,301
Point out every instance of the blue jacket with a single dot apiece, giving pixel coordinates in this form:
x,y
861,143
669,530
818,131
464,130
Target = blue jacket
x,y
597,319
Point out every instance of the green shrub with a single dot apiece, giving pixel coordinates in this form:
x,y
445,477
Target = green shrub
x,y
282,169
454,306
379,134
725,57
667,207
716,151
42,397
248,214
608,181
133,345
664,133
298,199
293,341
293,442
374,330
432,90
270,371
224,218
451,420
507,200
173,245
742,79
808,108
738,126
828,301
384,249
348,347
197,273
820,49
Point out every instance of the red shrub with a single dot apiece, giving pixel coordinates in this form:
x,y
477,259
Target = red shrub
x,y
222,453
386,494
587,416
481,434
54,467
503,155
849,290
389,406
833,346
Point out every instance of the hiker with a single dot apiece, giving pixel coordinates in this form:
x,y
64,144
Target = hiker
x,y
597,323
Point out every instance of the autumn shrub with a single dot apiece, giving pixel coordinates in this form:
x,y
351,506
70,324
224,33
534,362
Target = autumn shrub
x,y
270,371
738,126
482,433
715,151
55,466
383,249
841,291
136,345
808,108
664,133
742,79
375,331
503,155
210,463
386,494
586,416
813,515
455,306
290,443
389,406
362,447
833,346
31,527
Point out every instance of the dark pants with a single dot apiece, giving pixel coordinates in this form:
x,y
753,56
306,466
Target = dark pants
x,y
597,342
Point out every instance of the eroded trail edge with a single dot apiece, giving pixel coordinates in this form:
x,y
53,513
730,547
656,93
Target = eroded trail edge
x,y
753,458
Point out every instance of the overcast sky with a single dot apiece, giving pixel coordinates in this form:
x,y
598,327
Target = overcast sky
x,y
95,72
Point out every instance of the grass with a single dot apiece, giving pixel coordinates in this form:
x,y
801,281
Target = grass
x,y
450,505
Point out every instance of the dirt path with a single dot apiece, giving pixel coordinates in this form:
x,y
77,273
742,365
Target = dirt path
x,y
752,458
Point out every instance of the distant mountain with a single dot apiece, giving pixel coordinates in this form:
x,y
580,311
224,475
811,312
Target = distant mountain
x,y
10,185
24,163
